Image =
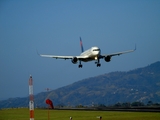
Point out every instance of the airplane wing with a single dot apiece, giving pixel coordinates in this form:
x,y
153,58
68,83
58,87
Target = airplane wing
x,y
57,57
118,53
63,57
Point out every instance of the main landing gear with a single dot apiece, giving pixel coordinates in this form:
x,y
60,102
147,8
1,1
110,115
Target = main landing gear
x,y
80,65
98,64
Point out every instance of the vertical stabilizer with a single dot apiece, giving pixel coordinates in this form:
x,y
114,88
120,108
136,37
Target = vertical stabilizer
x,y
81,45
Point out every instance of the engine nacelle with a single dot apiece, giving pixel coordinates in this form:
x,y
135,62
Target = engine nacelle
x,y
107,58
74,60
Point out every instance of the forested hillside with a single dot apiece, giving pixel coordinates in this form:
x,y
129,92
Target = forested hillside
x,y
142,84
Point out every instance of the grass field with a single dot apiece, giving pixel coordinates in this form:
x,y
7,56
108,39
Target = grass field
x,y
40,114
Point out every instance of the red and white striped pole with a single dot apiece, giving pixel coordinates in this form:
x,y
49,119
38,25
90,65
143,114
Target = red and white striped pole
x,y
31,102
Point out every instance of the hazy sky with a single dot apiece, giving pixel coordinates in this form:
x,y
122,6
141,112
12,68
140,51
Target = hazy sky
x,y
54,27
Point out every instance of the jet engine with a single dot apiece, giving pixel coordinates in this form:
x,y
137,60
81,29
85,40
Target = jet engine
x,y
74,60
107,58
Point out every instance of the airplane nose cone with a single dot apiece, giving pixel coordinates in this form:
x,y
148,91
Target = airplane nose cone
x,y
97,53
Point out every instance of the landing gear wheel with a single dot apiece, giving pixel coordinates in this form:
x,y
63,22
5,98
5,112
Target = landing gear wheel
x,y
98,65
80,66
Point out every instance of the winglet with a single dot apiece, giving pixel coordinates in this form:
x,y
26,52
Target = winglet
x,y
37,52
81,45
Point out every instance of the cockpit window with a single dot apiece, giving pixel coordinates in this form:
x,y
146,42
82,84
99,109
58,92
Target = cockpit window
x,y
96,50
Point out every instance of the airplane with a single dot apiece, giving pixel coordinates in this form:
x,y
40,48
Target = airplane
x,y
94,53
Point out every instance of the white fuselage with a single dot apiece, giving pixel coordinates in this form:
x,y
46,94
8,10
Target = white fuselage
x,y
91,54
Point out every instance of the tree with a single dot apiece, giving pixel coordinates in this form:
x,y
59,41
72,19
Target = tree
x,y
150,103
137,104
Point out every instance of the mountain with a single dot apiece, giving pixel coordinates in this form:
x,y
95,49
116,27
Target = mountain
x,y
142,84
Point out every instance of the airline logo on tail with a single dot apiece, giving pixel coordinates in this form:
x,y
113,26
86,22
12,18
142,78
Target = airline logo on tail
x,y
82,50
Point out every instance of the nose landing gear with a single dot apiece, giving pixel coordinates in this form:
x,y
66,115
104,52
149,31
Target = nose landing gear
x,y
98,64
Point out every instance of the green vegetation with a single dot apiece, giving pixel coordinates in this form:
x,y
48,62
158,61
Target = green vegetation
x,y
132,88
42,114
